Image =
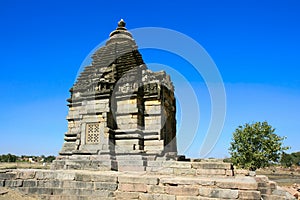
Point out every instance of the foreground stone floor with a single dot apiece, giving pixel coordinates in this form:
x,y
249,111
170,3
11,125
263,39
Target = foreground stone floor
x,y
77,184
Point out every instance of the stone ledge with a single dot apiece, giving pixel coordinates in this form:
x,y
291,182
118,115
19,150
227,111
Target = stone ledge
x,y
77,184
150,180
219,193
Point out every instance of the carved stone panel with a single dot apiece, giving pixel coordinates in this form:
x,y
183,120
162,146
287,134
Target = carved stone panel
x,y
92,133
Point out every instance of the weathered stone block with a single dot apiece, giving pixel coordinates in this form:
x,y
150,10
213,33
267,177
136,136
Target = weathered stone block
x,y
145,196
105,186
156,189
156,151
126,195
83,177
99,193
102,101
25,174
211,172
8,175
39,191
70,191
127,119
133,168
97,198
279,192
98,108
218,193
261,178
262,184
132,162
153,120
131,157
132,187
13,183
152,103
128,142
29,183
192,198
154,142
107,177
58,197
243,183
255,195
154,163
241,172
184,172
66,176
154,148
126,125
272,185
187,181
153,109
57,191
75,165
182,190
84,111
41,175
265,190
152,126
127,109
229,172
211,165
177,164
272,197
78,184
160,170
127,102
49,183
142,179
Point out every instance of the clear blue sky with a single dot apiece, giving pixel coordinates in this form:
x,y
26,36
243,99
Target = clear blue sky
x,y
255,45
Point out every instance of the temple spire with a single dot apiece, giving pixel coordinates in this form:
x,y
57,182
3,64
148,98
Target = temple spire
x,y
121,24
121,30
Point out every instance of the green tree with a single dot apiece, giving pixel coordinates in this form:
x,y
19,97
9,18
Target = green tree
x,y
49,159
296,158
286,160
8,158
255,145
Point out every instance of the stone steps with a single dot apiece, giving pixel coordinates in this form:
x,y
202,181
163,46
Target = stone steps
x,y
85,164
270,189
78,185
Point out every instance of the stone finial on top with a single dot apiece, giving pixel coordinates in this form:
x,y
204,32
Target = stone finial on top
x,y
121,31
121,24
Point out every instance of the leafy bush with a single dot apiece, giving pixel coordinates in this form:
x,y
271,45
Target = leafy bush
x,y
255,146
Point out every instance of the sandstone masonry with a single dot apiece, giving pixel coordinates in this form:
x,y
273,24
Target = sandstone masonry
x,y
83,184
121,114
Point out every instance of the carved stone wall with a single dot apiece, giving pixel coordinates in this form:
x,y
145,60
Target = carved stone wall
x,y
119,107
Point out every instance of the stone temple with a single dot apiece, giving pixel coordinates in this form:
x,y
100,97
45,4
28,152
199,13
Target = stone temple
x,y
121,141
121,114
